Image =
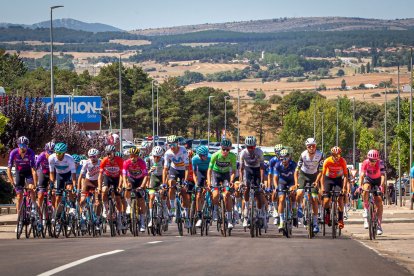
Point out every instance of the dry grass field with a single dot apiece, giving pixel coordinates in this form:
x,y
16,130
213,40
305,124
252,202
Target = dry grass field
x,y
76,55
130,42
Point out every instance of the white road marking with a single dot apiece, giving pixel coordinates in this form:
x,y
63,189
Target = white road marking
x,y
78,262
154,242
178,236
371,248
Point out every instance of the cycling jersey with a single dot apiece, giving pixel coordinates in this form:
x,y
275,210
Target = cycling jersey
x,y
310,165
25,163
66,165
178,161
157,165
221,164
374,171
272,163
412,172
91,171
112,168
285,173
190,176
42,163
199,164
254,159
334,169
135,170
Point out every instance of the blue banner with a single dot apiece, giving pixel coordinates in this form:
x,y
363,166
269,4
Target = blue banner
x,y
78,109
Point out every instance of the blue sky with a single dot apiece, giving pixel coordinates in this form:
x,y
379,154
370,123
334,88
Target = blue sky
x,y
139,14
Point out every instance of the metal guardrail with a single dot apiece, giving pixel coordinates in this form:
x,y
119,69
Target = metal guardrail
x,y
7,207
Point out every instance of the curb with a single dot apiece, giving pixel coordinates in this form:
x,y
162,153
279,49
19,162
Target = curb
x,y
11,222
386,221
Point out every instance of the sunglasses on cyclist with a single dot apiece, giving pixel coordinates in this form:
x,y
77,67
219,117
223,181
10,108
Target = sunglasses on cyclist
x,y
173,145
93,156
49,151
225,149
372,160
311,146
59,153
251,147
202,156
22,146
287,158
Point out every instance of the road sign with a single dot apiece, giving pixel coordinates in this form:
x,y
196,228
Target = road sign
x,y
354,172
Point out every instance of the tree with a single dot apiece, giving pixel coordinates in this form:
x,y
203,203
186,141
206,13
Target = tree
x,y
340,73
368,67
366,142
11,68
262,119
343,84
275,99
362,69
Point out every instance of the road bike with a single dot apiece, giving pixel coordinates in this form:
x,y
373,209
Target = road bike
x,y
24,218
308,213
372,214
288,223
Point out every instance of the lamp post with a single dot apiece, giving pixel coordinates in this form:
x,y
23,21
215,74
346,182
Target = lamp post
x,y
411,116
225,114
109,114
322,113
398,123
208,131
353,130
337,122
52,84
158,118
238,121
120,101
153,115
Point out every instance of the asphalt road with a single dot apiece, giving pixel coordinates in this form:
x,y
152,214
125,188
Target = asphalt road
x,y
270,254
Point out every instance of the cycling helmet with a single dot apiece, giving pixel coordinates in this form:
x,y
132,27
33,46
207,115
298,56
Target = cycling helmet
x,y
310,141
284,153
373,154
93,152
172,139
118,154
250,141
50,146
278,147
336,150
61,147
225,143
83,157
110,148
202,150
23,140
157,151
133,150
76,158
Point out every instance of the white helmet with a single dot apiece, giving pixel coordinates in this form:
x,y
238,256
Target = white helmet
x,y
93,152
250,141
310,141
157,151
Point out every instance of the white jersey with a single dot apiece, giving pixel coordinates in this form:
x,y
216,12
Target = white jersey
x,y
90,171
178,161
310,165
66,165
254,160
158,166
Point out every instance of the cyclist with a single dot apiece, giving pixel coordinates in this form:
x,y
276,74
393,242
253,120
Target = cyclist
x,y
221,172
43,173
252,172
191,183
63,173
88,180
309,169
372,176
284,171
23,159
270,184
78,159
200,164
176,167
155,166
134,173
412,182
110,172
334,174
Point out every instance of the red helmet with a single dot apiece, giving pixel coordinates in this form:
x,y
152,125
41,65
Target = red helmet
x,y
336,150
373,154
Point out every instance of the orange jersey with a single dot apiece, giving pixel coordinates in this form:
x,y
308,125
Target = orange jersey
x,y
334,169
112,169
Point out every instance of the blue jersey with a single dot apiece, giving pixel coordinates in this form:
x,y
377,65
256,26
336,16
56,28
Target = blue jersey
x,y
272,164
285,173
266,169
200,165
412,172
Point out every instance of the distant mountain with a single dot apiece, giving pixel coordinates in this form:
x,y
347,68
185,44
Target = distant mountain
x,y
69,24
288,24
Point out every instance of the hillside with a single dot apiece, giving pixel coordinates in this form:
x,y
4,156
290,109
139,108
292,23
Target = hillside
x,y
69,23
288,24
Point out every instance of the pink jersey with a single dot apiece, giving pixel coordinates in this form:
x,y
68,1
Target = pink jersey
x,y
374,171
135,170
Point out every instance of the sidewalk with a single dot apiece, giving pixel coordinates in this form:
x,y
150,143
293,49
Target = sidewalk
x,y
397,241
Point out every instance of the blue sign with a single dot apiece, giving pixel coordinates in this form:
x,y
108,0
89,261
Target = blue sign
x,y
78,109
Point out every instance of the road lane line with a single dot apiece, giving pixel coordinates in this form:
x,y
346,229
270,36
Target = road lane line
x,y
371,248
154,242
78,262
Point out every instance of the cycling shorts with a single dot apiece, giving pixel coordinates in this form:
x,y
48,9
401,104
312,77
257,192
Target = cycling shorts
x,y
220,179
333,183
252,175
174,174
307,178
135,182
283,185
89,185
372,181
201,178
43,182
23,178
61,181
155,181
111,181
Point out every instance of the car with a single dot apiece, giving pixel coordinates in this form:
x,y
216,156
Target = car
x,y
405,186
199,142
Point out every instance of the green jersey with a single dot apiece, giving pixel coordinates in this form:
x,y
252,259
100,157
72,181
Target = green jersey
x,y
221,164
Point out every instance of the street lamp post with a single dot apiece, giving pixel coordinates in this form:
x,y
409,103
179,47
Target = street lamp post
x,y
238,121
411,116
337,122
398,123
353,130
52,84
225,114
208,131
322,113
120,101
153,115
109,114
158,118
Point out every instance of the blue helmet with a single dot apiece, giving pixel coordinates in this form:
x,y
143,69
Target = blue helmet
x,y
76,158
202,150
225,143
61,147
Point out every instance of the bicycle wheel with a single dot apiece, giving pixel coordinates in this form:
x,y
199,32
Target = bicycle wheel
x,y
323,222
20,220
193,217
309,218
179,222
334,217
154,220
134,220
370,221
112,217
251,215
286,229
223,218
